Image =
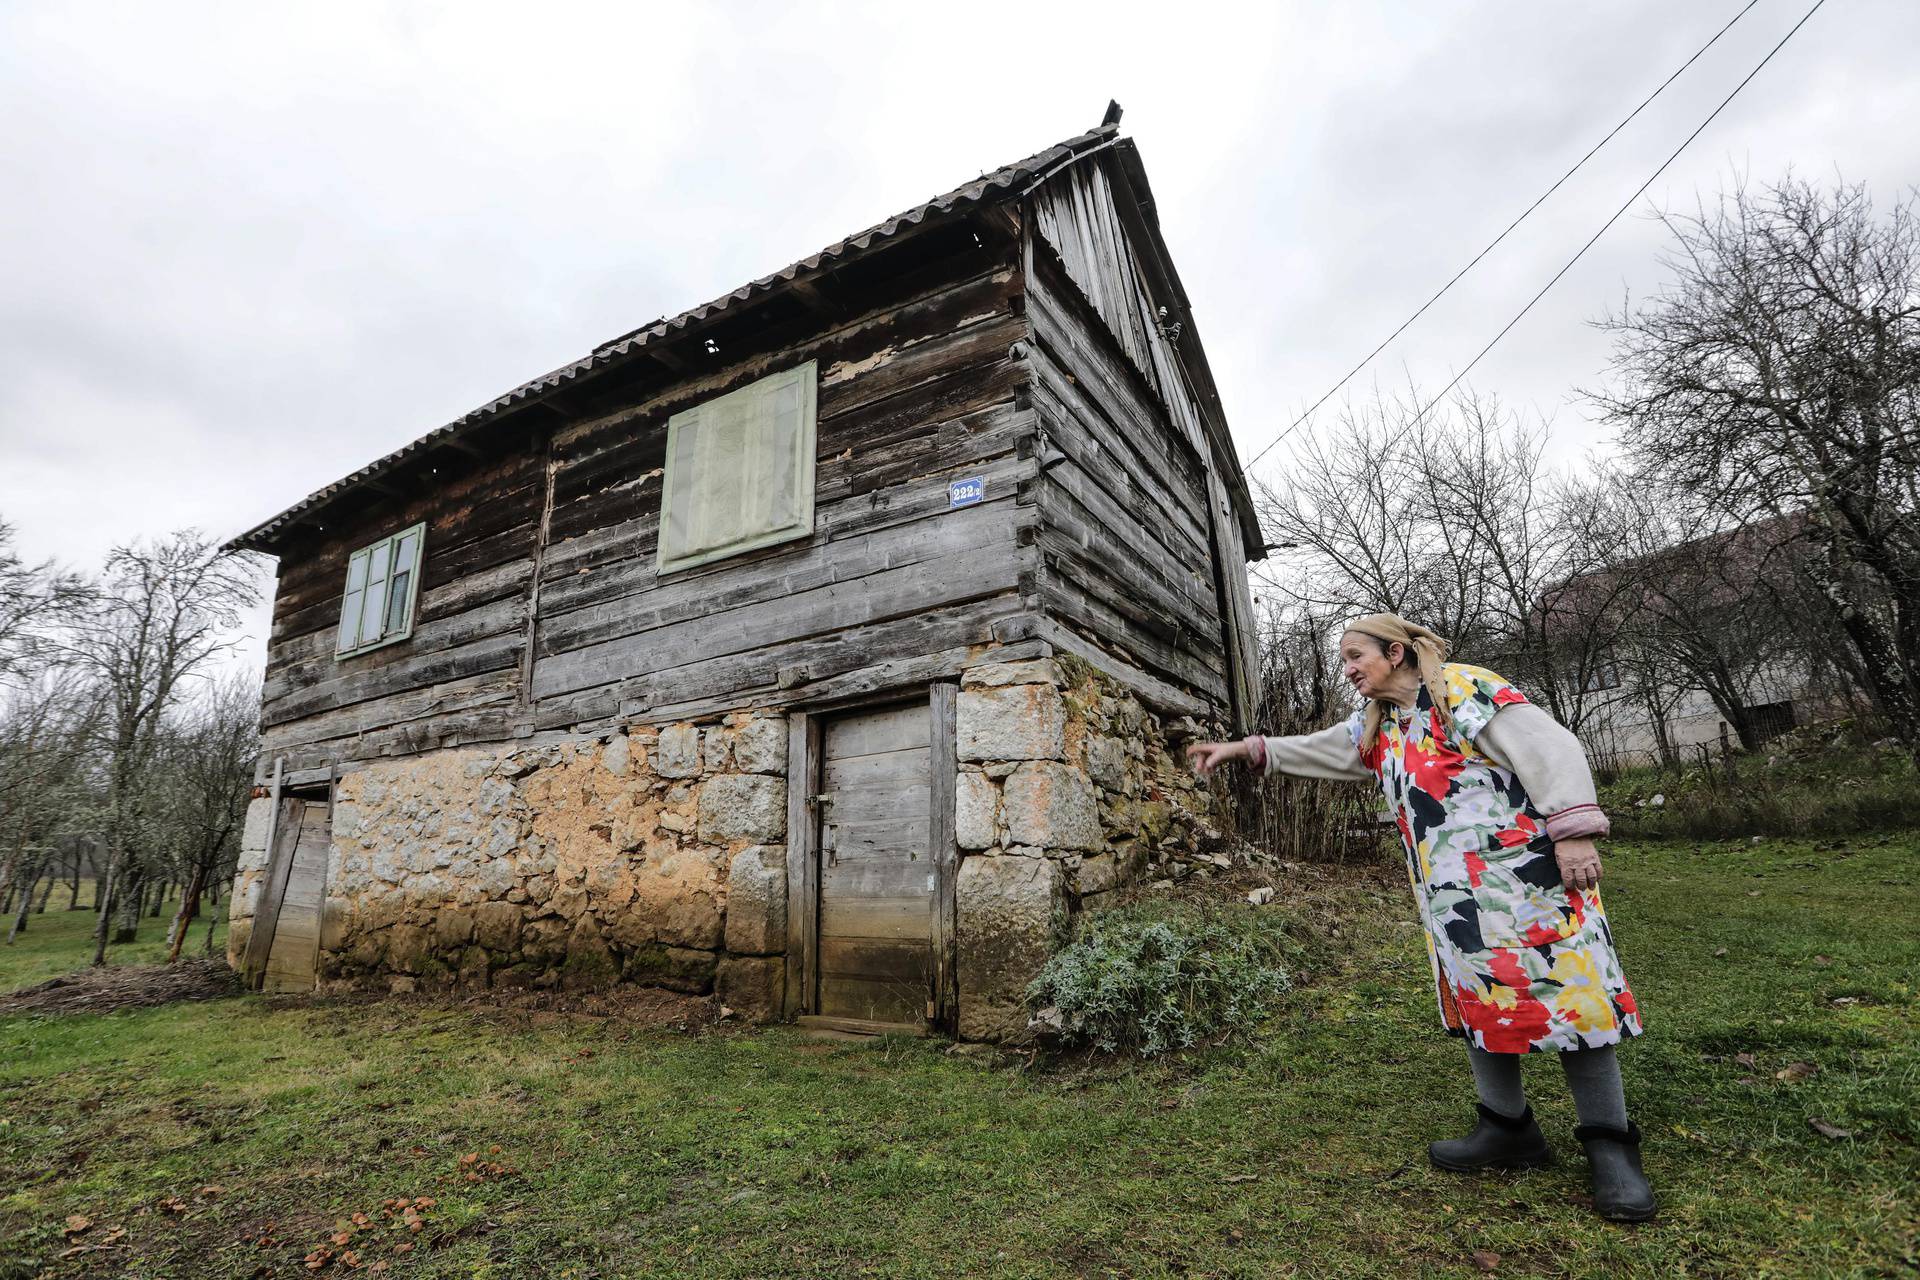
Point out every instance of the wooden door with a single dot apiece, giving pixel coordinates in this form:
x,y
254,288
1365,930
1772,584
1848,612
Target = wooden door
x,y
876,878
295,957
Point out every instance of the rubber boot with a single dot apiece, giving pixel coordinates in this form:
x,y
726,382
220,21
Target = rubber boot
x,y
1621,1192
1497,1142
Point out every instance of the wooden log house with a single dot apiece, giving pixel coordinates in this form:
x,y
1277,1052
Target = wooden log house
x,y
824,643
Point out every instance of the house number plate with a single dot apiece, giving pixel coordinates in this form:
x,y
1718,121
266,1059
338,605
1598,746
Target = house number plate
x,y
964,493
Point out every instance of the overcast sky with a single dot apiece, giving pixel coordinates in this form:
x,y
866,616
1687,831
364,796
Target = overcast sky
x,y
249,248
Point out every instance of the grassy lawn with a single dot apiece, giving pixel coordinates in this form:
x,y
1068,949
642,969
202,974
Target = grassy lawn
x,y
235,1136
62,940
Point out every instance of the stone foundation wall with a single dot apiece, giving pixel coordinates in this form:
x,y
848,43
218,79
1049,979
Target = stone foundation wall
x,y
658,855
654,856
1069,789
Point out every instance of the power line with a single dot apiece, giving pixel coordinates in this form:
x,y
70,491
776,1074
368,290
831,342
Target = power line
x,y
1617,214
1495,242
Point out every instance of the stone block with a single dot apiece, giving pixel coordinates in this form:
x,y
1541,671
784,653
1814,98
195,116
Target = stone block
x,y
743,807
1005,913
253,836
678,752
1107,763
752,987
757,901
675,968
760,746
452,928
496,926
716,747
1017,722
475,968
618,757
408,947
995,675
1052,805
976,811
589,965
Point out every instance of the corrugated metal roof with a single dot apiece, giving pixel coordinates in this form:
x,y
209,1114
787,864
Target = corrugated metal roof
x,y
990,188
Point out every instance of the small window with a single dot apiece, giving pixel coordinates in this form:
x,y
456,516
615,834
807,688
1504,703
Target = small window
x,y
739,471
383,581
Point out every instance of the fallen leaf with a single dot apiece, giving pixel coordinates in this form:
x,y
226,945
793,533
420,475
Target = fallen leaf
x,y
210,1191
1744,1059
342,1237
1823,960
1485,1260
1846,1000
1719,952
1826,1130
77,1222
1240,1177
1794,1072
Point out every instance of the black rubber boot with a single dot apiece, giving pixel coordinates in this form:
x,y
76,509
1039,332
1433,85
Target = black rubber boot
x,y
1497,1142
1621,1191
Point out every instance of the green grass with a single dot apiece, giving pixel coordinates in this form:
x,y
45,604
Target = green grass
x,y
763,1153
62,940
1791,787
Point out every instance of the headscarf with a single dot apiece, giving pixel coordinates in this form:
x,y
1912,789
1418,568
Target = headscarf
x,y
1430,655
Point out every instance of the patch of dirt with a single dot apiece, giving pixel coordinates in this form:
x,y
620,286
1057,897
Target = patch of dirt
x,y
129,986
632,1006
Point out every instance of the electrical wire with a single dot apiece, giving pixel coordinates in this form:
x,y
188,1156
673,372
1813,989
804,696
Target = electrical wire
x,y
1617,213
1495,242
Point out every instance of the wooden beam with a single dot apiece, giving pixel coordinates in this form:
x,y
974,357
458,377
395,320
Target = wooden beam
x,y
803,869
266,910
942,765
814,300
665,357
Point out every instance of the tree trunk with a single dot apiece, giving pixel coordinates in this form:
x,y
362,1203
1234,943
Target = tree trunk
x,y
20,916
159,898
189,905
125,911
73,899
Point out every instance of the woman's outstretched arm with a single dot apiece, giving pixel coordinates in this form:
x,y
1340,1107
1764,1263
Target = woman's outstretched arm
x,y
1326,754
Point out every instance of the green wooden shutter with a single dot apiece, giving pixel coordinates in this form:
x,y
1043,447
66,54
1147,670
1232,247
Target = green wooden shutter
x,y
350,606
740,471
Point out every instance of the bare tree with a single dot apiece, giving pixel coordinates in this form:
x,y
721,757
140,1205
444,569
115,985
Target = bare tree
x,y
47,734
33,599
1448,515
203,774
161,616
1778,377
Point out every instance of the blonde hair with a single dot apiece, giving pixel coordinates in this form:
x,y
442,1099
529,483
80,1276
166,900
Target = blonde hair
x,y
1429,652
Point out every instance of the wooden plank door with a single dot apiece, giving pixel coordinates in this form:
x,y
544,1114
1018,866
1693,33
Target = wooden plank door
x,y
876,878
295,957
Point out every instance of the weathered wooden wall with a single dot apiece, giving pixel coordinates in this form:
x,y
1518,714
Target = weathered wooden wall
x,y
561,528
1030,356
1143,553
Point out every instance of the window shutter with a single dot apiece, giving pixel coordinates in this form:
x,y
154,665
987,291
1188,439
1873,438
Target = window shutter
x,y
740,471
350,606
403,585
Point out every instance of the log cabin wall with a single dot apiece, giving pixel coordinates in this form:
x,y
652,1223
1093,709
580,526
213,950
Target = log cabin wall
x,y
1144,561
551,534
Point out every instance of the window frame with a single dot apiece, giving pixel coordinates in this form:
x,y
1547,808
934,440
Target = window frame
x,y
678,487
355,597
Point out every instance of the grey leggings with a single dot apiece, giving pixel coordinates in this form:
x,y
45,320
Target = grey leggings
x,y
1592,1074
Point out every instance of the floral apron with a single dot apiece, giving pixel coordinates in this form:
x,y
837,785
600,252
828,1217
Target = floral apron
x,y
1519,963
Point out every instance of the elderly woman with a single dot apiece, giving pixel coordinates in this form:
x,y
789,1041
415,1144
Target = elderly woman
x,y
1496,809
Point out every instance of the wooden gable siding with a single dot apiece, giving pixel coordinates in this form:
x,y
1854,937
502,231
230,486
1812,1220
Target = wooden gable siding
x,y
1081,237
891,586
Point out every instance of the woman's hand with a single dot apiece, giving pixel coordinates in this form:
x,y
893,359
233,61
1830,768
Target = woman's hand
x,y
1579,864
1205,757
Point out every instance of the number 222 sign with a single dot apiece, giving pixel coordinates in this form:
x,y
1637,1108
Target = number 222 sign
x,y
964,493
